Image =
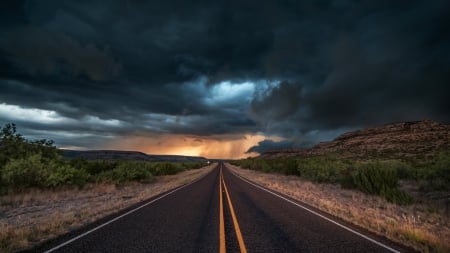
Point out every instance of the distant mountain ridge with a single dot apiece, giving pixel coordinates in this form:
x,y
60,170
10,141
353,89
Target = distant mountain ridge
x,y
128,155
395,140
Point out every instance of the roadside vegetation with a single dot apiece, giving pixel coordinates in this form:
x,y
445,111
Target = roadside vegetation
x,y
43,194
26,164
376,177
422,225
32,217
406,199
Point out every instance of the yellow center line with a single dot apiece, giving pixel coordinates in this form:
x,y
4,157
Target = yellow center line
x,y
235,222
221,223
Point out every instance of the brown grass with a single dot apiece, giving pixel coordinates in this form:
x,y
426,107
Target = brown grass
x,y
28,219
413,225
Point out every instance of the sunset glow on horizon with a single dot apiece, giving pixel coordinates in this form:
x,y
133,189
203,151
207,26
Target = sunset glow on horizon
x,y
212,147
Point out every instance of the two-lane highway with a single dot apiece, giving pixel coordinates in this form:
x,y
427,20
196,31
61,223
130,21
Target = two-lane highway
x,y
219,213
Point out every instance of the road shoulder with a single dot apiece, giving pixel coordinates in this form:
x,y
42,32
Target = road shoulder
x,y
354,209
30,219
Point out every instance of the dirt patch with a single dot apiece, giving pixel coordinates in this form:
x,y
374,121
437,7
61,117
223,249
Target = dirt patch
x,y
419,226
31,218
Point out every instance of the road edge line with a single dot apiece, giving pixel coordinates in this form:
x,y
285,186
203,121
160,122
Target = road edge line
x,y
318,214
122,215
235,222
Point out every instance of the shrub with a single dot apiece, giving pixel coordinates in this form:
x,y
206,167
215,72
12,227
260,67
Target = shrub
x,y
35,171
63,174
321,169
97,167
379,179
285,166
26,172
439,175
262,165
192,165
124,171
127,171
166,168
14,146
397,196
25,164
373,178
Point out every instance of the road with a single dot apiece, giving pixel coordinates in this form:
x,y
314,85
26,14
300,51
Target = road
x,y
220,212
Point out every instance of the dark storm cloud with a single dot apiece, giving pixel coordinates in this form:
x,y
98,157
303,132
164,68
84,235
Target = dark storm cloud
x,y
277,103
50,54
389,65
155,66
268,145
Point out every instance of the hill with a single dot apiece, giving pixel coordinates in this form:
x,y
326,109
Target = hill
x,y
397,140
128,155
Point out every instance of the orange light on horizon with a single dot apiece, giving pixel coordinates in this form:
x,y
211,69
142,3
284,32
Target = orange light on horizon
x,y
213,147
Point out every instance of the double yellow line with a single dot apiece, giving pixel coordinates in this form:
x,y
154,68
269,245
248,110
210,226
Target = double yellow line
x,y
221,223
233,216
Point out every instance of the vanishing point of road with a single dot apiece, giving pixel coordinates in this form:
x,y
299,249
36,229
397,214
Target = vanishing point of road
x,y
220,212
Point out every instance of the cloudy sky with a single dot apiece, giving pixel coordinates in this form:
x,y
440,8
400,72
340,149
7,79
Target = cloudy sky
x,y
222,79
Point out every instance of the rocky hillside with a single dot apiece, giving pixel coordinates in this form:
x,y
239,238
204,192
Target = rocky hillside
x,y
397,140
128,155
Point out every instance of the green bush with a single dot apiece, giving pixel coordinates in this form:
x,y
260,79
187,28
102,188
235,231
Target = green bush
x,y
193,165
35,171
63,174
441,170
318,169
127,171
284,166
262,165
97,167
380,179
397,196
166,168
141,171
25,164
321,169
373,178
15,146
24,173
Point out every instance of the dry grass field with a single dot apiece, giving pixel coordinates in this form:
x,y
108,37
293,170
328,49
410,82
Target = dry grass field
x,y
30,218
419,226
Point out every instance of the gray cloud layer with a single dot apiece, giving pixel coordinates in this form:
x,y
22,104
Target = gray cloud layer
x,y
154,65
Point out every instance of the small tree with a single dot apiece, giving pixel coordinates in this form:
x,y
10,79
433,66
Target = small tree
x,y
11,144
25,163
15,146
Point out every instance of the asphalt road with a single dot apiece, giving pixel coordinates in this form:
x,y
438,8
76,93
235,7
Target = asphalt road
x,y
221,212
